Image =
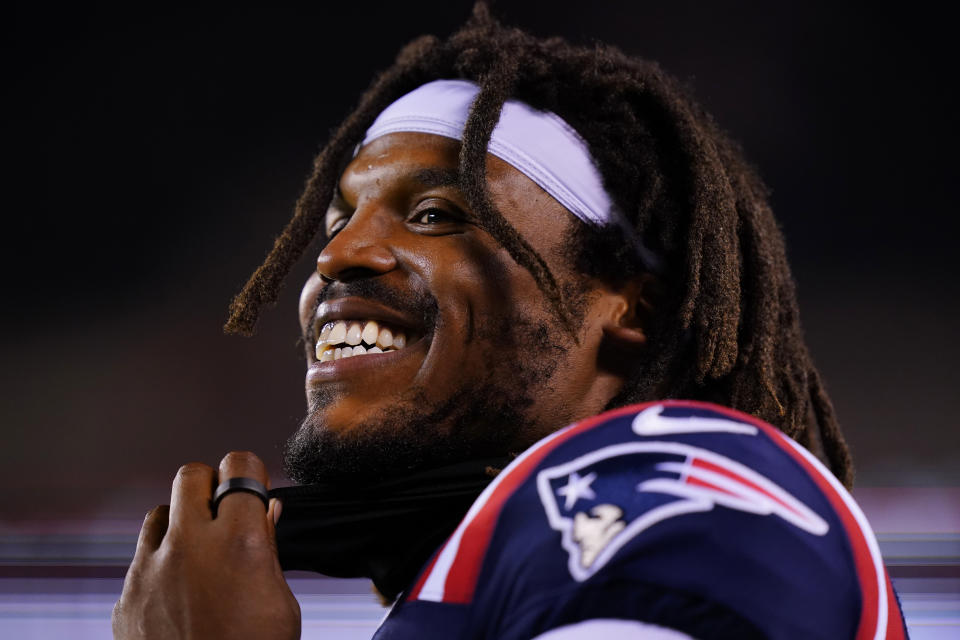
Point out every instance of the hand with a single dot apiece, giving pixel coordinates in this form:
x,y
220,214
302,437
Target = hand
x,y
196,576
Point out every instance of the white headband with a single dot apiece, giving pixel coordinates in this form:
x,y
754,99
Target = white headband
x,y
539,144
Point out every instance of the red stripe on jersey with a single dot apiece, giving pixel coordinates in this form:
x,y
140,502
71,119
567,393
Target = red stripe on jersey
x,y
697,482
895,626
862,558
703,464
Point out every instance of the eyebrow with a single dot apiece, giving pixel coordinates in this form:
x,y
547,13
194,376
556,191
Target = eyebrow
x,y
437,177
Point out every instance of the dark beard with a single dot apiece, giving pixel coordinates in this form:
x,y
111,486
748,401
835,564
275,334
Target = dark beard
x,y
405,439
486,420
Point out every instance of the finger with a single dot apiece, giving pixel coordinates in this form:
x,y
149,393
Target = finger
x,y
273,513
190,497
273,516
152,532
242,504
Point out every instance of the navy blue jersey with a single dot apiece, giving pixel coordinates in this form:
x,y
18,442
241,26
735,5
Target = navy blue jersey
x,y
666,520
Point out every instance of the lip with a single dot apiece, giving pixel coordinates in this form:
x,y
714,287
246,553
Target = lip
x,y
319,373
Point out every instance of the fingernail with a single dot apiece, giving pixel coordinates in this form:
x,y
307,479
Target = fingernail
x,y
277,508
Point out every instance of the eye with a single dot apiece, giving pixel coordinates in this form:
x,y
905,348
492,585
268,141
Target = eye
x,y
434,216
437,216
336,225
338,214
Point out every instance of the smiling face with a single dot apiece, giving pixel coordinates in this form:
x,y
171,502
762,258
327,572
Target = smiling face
x,y
434,344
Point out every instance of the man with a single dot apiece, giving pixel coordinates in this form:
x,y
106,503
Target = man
x,y
519,235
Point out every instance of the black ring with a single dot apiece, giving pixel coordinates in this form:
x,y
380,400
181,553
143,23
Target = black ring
x,y
240,484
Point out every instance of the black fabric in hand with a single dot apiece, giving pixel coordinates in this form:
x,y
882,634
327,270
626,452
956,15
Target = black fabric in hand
x,y
384,530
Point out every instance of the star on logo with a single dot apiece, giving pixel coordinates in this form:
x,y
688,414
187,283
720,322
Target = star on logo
x,y
577,488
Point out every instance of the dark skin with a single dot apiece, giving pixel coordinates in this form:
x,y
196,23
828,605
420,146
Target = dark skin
x,y
400,220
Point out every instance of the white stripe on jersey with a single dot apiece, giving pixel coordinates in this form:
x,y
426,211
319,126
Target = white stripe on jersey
x,y
612,629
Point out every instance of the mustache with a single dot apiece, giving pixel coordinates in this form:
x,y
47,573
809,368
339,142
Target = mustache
x,y
415,303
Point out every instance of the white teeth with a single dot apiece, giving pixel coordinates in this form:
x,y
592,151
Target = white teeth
x,y
370,332
354,331
348,352
338,333
356,338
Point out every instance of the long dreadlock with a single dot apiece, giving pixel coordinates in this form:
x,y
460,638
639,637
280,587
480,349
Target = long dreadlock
x,y
729,330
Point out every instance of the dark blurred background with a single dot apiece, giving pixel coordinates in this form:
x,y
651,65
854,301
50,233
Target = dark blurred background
x,y
152,153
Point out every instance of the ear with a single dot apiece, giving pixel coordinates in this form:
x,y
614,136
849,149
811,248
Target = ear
x,y
633,312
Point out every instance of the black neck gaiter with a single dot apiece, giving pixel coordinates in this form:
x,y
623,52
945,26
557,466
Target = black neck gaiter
x,y
384,530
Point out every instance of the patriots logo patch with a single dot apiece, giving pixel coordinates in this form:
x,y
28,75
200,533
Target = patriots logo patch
x,y
602,500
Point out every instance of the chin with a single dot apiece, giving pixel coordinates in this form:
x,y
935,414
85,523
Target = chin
x,y
406,436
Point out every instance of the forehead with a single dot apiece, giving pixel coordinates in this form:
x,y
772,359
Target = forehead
x,y
423,160
418,162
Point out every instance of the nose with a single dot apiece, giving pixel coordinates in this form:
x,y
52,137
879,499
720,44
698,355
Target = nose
x,y
360,249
